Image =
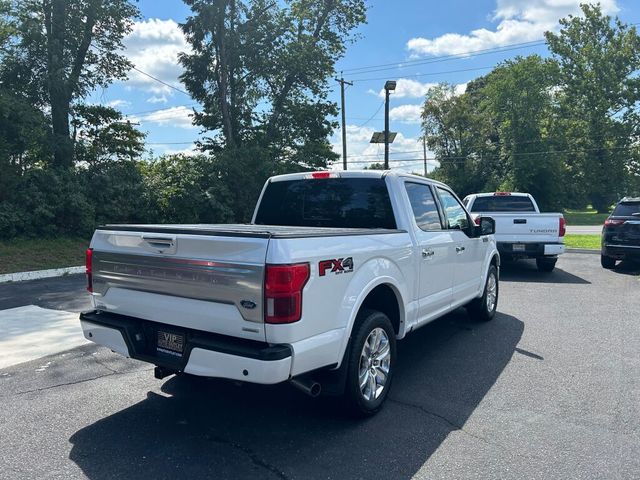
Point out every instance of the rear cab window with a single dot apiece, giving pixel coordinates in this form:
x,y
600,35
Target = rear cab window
x,y
503,203
329,202
627,209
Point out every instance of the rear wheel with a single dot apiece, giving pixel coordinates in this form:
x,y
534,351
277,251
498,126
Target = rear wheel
x,y
607,262
371,363
484,308
546,264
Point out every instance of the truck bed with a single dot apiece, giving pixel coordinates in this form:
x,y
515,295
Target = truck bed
x,y
247,230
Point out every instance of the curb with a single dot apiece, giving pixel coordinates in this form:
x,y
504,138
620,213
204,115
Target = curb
x,y
53,272
583,250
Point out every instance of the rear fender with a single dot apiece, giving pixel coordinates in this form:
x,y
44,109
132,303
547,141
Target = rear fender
x,y
378,271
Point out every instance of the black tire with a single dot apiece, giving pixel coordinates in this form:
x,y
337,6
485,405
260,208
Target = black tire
x,y
354,398
607,262
546,264
479,308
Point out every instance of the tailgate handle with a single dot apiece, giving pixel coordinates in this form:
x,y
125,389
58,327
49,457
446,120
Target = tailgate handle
x,y
519,221
158,242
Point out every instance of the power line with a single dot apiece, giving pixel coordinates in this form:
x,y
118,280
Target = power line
x,y
161,81
371,117
442,58
425,74
463,158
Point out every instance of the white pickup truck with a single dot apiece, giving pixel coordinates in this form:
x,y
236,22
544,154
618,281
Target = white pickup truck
x,y
521,230
334,267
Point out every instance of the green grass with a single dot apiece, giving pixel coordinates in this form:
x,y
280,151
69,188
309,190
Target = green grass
x,y
591,242
21,255
584,217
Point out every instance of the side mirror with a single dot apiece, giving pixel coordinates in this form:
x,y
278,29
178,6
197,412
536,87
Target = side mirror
x,y
486,226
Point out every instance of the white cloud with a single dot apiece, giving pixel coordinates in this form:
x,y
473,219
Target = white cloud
x,y
180,117
153,46
188,151
119,103
157,99
406,113
408,88
518,21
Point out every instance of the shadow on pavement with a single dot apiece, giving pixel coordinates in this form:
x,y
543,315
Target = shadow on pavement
x,y
627,267
201,427
526,271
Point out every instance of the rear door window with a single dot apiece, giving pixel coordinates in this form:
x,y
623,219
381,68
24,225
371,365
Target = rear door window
x,y
424,207
503,203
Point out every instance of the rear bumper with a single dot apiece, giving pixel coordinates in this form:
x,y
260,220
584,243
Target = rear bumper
x,y
531,250
204,353
621,251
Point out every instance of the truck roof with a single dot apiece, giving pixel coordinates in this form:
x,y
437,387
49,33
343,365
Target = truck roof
x,y
351,174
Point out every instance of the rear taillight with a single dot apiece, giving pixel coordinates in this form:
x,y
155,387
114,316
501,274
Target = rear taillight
x,y
563,226
502,194
88,264
611,222
283,292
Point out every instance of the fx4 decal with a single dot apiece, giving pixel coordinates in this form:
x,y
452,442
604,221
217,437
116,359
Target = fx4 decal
x,y
335,265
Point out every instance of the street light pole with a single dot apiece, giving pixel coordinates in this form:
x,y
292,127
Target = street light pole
x,y
389,85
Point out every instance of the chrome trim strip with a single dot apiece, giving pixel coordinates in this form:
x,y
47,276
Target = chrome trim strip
x,y
219,282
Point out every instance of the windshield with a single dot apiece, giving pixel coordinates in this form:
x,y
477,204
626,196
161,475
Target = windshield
x,y
332,202
503,203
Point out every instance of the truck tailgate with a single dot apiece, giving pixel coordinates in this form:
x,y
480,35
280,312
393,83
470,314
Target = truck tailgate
x,y
527,227
205,282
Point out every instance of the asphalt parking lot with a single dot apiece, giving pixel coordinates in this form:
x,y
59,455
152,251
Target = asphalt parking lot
x,y
549,389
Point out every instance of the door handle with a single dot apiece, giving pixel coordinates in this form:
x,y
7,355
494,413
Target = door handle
x,y
460,249
426,253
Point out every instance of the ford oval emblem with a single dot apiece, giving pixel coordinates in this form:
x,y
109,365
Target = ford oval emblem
x,y
248,304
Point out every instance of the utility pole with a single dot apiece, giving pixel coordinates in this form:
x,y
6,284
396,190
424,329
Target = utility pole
x,y
342,82
389,85
424,151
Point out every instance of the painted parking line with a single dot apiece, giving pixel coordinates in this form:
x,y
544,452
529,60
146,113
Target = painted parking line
x,y
30,332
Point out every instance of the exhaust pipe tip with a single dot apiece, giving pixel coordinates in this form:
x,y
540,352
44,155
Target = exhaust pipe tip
x,y
307,385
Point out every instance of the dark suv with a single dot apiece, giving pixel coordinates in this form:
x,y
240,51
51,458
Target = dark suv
x,y
621,233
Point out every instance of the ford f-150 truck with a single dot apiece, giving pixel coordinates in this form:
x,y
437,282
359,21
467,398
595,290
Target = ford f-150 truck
x,y
521,230
333,269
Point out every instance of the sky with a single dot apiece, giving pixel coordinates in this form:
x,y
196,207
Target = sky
x,y
418,43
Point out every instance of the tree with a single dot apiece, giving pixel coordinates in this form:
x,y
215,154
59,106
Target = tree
x,y
599,95
260,71
518,98
457,134
63,49
101,134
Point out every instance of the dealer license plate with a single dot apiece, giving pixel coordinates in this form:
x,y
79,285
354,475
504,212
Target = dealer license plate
x,y
170,343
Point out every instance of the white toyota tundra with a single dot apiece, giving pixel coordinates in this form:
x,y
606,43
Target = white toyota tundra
x,y
522,231
333,269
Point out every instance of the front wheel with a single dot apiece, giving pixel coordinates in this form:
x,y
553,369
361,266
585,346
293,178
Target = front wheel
x,y
484,308
546,264
372,357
